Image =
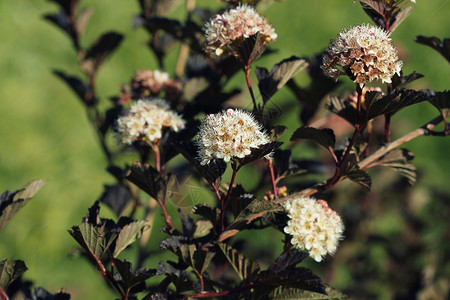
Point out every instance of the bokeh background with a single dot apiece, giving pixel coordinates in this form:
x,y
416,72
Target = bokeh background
x,y
45,133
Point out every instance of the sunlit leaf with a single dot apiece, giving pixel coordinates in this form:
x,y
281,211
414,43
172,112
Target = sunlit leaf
x,y
94,239
287,293
12,203
256,209
398,160
190,254
245,268
128,234
10,271
400,17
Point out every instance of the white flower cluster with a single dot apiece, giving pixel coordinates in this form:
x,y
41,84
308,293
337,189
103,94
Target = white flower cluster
x,y
365,52
228,135
146,120
313,226
224,33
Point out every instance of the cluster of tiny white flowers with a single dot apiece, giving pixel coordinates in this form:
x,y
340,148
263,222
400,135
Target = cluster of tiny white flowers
x,y
364,51
229,134
314,226
224,33
146,120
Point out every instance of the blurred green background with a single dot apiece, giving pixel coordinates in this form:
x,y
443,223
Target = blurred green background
x,y
45,132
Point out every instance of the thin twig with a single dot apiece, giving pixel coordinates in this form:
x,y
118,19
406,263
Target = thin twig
x,y
321,186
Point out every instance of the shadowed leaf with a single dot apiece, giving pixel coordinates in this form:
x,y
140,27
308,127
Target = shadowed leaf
x,y
210,213
401,81
378,105
441,100
251,49
128,234
149,180
441,46
260,152
74,83
196,258
342,108
245,268
12,203
398,160
212,172
270,82
99,51
354,173
42,294
116,197
324,136
10,271
129,277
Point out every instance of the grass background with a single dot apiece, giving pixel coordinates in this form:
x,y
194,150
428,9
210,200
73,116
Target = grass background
x,y
45,133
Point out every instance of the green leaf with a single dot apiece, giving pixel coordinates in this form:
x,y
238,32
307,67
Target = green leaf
x,y
95,239
130,278
202,228
281,73
245,268
129,234
398,159
149,180
11,203
443,47
354,173
324,136
10,271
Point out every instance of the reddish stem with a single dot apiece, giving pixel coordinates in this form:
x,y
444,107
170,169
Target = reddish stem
x,y
272,177
250,89
166,214
222,293
358,128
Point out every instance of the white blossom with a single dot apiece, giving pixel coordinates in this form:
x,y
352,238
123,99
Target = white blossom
x,y
313,226
225,32
228,135
146,120
365,52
